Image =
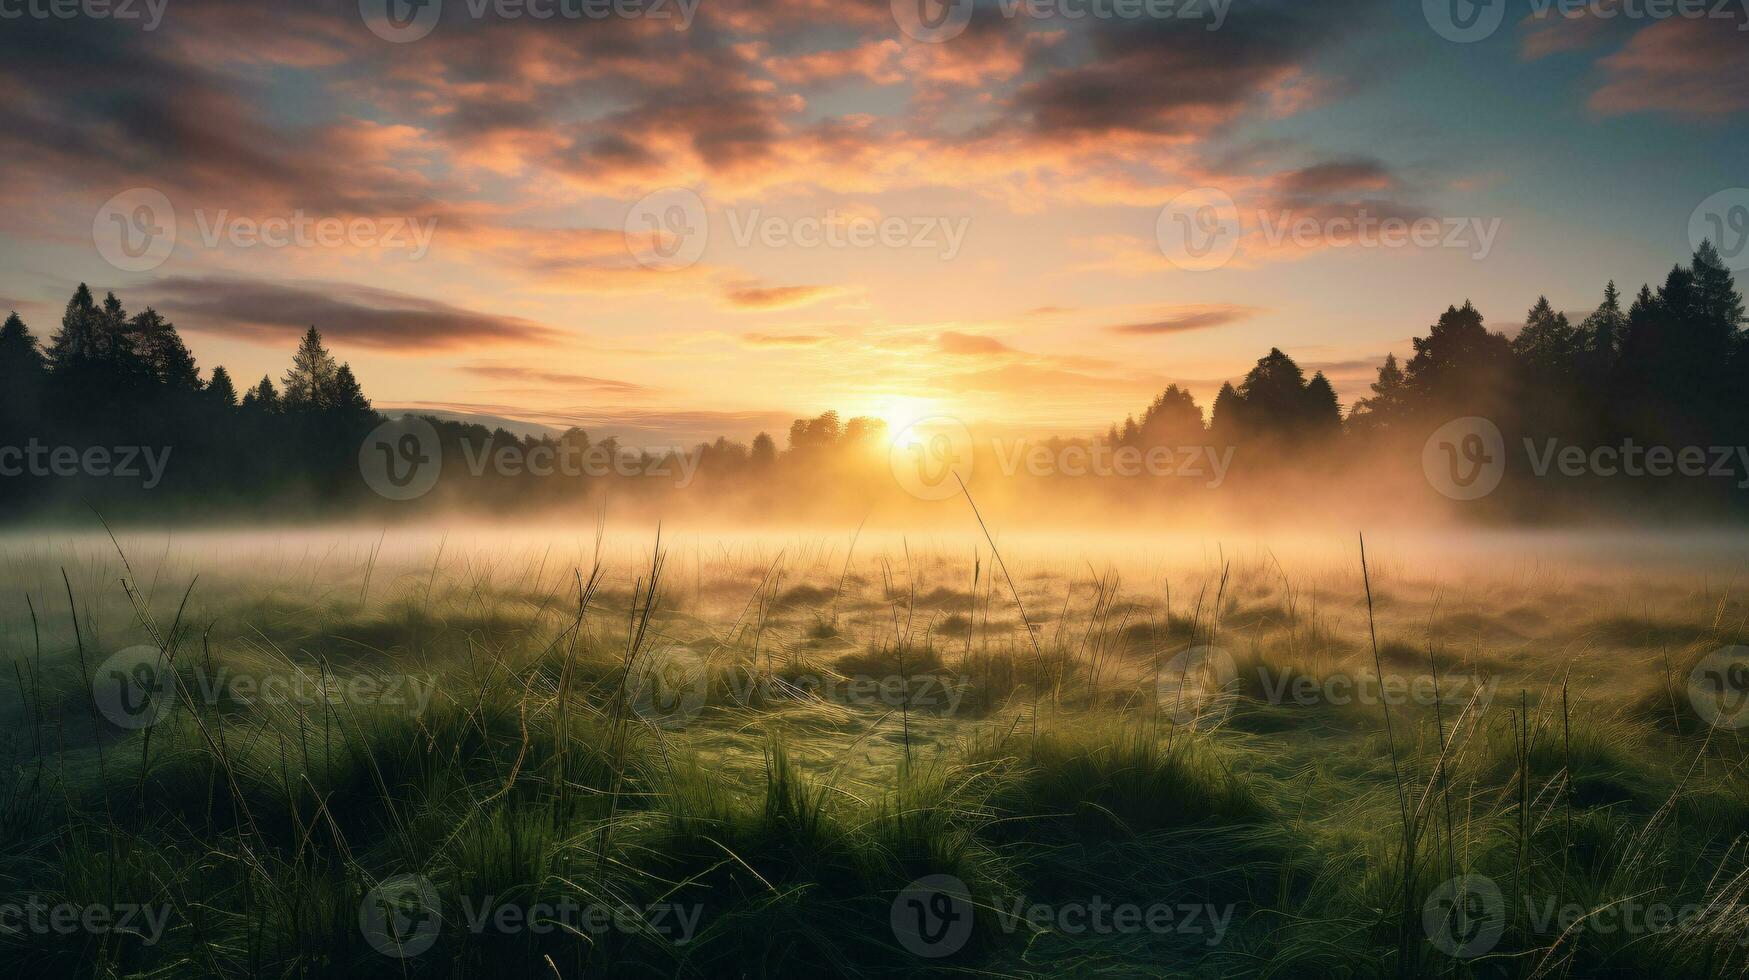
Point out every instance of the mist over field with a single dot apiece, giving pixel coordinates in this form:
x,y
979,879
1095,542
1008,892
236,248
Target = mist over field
x,y
575,489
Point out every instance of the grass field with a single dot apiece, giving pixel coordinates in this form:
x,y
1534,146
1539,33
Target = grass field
x,y
839,753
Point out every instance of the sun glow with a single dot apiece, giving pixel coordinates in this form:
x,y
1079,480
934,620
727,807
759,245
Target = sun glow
x,y
901,411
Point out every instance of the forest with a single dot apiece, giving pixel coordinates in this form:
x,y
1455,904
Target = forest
x,y
1666,370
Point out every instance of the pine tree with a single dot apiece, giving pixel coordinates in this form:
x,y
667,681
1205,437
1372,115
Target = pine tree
x,y
262,398
1602,330
22,373
163,351
220,390
1322,414
1224,415
1719,305
1389,402
309,385
348,399
76,342
1548,347
19,356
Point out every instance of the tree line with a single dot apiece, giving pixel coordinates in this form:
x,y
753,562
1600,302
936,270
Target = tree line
x,y
1669,369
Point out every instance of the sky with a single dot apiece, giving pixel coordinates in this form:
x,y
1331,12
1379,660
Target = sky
x,y
672,219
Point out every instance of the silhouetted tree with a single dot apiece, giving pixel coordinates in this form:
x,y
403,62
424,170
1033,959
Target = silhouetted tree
x,y
22,375
263,398
219,389
1389,404
1459,367
161,348
309,384
764,450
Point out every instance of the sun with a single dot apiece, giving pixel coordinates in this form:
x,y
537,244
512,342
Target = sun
x,y
900,411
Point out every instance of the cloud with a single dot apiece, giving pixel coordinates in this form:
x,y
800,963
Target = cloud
x,y
540,378
1698,68
954,342
783,340
1189,318
752,296
350,314
1174,75
1337,177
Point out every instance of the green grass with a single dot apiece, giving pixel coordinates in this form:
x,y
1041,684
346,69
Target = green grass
x,y
787,813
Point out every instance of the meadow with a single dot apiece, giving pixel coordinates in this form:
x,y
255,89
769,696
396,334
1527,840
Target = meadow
x,y
595,751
